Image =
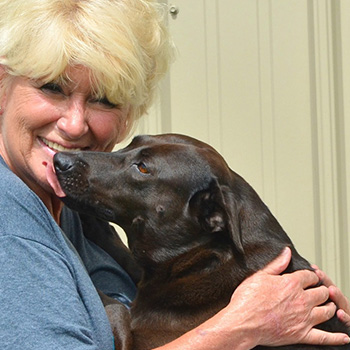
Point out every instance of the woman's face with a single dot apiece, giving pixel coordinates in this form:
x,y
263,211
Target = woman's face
x,y
37,120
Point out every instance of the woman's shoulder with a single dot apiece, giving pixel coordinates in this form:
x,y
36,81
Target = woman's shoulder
x,y
7,178
11,186
13,190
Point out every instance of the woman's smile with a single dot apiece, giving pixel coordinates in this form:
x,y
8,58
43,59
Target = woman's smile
x,y
55,147
40,119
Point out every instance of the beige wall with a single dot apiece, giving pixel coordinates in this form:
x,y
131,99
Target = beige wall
x,y
267,82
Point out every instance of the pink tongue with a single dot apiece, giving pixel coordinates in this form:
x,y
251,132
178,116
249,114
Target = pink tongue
x,y
53,181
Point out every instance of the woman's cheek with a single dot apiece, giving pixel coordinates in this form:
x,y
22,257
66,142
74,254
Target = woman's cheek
x,y
108,131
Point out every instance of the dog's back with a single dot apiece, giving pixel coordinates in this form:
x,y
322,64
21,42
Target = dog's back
x,y
195,285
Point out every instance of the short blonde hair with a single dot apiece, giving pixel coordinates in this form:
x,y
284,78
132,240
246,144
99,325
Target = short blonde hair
x,y
124,43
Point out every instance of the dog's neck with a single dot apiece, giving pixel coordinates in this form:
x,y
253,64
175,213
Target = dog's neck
x,y
196,267
183,258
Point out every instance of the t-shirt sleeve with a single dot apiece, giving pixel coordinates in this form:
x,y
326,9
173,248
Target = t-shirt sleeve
x,y
47,300
40,304
106,274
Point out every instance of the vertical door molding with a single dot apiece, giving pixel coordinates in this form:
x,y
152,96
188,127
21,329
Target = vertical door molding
x,y
342,10
327,116
212,57
267,101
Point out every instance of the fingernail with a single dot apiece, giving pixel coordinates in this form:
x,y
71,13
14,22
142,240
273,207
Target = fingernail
x,y
285,251
347,340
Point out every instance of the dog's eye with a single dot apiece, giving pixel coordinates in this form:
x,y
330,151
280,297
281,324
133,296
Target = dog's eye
x,y
142,168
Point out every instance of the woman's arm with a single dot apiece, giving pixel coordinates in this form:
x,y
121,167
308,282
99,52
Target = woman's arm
x,y
267,309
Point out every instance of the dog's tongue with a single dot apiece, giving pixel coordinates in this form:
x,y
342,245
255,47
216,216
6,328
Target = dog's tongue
x,y
53,181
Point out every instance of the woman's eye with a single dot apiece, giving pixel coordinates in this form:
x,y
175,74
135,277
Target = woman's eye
x,y
142,168
52,87
104,101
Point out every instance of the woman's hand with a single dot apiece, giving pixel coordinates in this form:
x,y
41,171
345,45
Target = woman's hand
x,y
337,296
268,309
280,310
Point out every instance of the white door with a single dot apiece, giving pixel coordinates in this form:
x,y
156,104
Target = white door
x,y
267,83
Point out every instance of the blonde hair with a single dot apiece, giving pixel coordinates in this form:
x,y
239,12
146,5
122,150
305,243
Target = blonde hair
x,y
124,43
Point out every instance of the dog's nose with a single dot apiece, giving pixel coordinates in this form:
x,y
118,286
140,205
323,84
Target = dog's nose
x,y
64,161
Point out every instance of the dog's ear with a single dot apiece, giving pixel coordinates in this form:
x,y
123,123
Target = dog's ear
x,y
217,211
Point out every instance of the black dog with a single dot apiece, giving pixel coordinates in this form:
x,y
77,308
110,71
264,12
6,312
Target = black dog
x,y
196,228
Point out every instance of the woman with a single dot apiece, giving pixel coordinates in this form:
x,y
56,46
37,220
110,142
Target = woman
x,y
76,74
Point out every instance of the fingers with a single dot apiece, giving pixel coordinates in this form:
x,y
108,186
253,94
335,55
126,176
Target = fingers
x,y
317,296
278,265
343,304
336,296
343,317
323,277
295,305
319,337
320,314
339,298
307,278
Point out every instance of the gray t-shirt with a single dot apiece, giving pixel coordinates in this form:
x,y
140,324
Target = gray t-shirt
x,y
47,298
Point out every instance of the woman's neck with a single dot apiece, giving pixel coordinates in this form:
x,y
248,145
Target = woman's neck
x,y
50,200
55,206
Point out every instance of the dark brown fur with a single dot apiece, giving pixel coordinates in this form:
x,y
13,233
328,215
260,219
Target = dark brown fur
x,y
195,227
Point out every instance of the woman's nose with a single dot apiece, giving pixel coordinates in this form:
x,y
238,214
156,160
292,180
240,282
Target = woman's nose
x,y
73,121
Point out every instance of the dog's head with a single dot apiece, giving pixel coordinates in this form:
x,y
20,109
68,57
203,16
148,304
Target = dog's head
x,y
165,190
